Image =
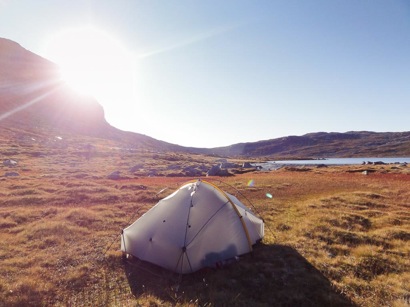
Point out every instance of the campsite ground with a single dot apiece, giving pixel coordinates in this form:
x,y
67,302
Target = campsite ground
x,y
333,235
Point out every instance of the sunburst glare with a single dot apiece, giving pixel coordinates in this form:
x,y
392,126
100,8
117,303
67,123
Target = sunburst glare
x,y
93,63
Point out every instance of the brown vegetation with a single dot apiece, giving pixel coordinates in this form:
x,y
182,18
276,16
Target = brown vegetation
x,y
333,235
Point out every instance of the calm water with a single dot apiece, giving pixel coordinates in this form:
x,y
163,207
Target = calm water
x,y
332,161
344,161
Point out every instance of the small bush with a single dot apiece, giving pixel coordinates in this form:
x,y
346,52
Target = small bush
x,y
370,267
82,217
7,223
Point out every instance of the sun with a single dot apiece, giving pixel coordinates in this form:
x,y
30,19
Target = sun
x,y
93,63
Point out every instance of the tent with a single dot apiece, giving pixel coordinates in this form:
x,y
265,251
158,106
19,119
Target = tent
x,y
197,226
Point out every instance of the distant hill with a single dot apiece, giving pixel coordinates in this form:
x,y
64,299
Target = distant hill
x,y
34,101
324,145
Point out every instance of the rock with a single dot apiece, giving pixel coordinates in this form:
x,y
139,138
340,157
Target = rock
x,y
229,165
216,170
11,174
298,169
134,187
192,171
202,167
9,163
247,165
136,167
152,173
173,167
114,175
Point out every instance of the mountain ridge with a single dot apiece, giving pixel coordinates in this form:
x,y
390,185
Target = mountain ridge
x,y
34,98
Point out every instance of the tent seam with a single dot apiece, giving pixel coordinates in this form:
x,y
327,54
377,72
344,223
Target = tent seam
x,y
238,213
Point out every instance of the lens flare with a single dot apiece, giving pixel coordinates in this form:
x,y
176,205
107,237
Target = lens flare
x,y
251,183
268,195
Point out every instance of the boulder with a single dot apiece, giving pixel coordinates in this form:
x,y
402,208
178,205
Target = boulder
x,y
10,163
247,165
192,171
229,165
11,174
136,167
173,167
152,173
202,167
134,187
114,175
216,170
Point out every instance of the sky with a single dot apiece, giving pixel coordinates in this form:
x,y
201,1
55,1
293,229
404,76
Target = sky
x,y
216,73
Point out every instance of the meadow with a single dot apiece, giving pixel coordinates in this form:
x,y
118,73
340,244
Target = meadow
x,y
333,236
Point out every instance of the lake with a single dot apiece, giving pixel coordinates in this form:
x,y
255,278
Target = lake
x,y
331,161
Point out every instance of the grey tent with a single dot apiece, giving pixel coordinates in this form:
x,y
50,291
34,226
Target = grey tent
x,y
197,226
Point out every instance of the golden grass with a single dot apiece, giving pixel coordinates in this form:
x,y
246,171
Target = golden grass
x,y
333,236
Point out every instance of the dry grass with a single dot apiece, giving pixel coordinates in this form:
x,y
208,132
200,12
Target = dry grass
x,y
333,236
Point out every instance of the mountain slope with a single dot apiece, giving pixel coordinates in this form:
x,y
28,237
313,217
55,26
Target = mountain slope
x,y
34,98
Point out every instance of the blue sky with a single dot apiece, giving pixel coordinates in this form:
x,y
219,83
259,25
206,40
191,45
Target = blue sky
x,y
216,73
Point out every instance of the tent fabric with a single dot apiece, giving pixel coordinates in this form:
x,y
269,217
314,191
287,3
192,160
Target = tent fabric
x,y
197,226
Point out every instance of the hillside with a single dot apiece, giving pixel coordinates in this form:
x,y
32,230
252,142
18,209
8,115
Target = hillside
x,y
34,101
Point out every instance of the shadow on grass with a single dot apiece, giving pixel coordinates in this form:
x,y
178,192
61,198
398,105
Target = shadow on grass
x,y
274,275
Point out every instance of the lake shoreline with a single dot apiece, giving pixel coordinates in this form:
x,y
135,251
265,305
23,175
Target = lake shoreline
x,y
277,164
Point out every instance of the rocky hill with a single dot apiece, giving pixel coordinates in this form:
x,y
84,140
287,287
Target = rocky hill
x,y
35,103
